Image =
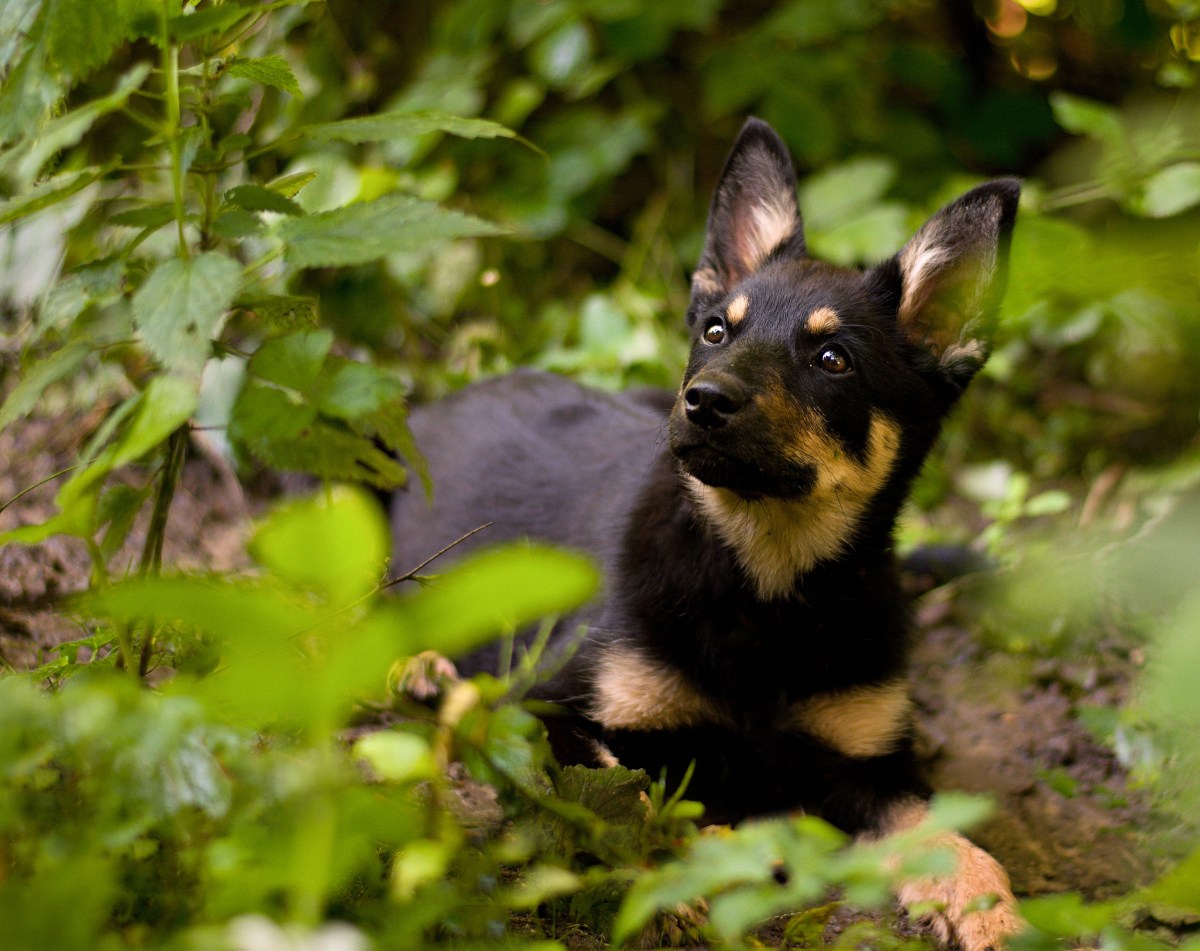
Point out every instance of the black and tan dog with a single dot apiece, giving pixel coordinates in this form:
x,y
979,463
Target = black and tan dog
x,y
752,619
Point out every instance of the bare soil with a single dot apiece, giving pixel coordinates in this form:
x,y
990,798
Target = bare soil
x,y
1065,818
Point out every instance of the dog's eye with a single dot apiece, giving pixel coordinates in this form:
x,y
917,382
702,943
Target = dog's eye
x,y
714,333
834,360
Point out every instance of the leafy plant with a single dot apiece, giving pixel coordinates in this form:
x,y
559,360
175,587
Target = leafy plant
x,y
185,252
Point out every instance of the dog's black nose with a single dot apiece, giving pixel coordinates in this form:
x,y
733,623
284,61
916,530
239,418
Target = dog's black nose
x,y
711,402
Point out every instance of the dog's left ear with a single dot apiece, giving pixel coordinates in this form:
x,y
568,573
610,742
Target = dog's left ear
x,y
951,277
753,213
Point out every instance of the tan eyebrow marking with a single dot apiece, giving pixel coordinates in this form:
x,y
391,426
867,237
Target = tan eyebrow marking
x,y
823,320
737,309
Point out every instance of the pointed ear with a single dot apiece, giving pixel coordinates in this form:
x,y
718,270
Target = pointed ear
x,y
952,275
753,212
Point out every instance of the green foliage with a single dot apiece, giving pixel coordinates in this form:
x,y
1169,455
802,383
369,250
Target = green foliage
x,y
309,195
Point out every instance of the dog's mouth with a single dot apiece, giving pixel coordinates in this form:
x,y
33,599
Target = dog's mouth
x,y
722,470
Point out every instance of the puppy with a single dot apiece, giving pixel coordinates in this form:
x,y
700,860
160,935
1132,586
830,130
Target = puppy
x,y
752,619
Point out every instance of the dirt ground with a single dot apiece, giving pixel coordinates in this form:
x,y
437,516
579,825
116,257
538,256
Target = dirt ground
x,y
1066,819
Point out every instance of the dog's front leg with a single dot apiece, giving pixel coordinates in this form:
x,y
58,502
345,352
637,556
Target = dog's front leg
x,y
870,797
973,906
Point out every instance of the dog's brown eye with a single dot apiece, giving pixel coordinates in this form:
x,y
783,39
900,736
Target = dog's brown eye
x,y
834,360
714,333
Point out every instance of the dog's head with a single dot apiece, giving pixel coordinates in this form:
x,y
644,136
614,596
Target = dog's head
x,y
809,378
814,392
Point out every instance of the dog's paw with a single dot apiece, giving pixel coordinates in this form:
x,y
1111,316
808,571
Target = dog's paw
x,y
973,907
680,927
424,676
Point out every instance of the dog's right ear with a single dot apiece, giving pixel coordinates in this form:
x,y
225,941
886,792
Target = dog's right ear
x,y
753,213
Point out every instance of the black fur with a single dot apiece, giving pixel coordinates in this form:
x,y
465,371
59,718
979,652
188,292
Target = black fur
x,y
764,423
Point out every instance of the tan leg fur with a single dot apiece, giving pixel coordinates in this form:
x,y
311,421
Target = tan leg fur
x,y
956,906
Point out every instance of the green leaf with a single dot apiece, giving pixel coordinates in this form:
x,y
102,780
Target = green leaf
x,y
211,21
29,89
397,757
44,372
872,236
94,285
47,194
404,125
350,390
264,415
368,231
258,198
118,507
1066,916
281,311
270,70
336,542
1086,116
842,193
181,307
504,589
540,883
263,655
152,214
280,429
236,224
1172,190
1179,888
165,405
294,361
69,129
291,185
82,34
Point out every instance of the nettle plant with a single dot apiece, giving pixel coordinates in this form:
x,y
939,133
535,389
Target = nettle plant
x,y
152,126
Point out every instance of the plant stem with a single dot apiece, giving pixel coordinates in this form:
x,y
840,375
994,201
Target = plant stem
x,y
171,72
168,478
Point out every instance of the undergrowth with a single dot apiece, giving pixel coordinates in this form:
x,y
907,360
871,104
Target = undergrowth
x,y
228,231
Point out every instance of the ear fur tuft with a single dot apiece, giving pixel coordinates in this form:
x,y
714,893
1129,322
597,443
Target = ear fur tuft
x,y
753,213
952,274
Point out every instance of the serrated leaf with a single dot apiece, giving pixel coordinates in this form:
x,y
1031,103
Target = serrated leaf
x,y
294,361
330,452
265,415
1172,190
81,34
270,70
44,372
404,125
291,185
368,231
181,306
48,193
234,224
258,198
281,311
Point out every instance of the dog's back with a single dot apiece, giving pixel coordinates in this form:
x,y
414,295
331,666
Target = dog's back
x,y
538,457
